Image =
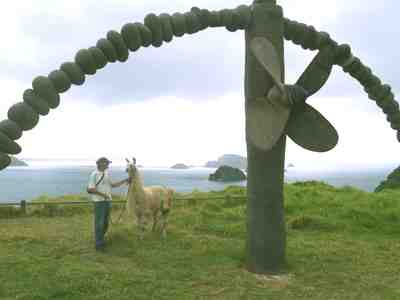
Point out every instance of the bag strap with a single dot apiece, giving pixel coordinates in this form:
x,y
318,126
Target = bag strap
x,y
100,180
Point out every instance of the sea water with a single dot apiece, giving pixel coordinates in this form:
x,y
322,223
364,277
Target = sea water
x,y
27,183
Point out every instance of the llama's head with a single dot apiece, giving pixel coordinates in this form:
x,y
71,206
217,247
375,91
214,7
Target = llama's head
x,y
131,168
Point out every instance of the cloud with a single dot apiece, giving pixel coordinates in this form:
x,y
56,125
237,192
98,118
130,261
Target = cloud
x,y
184,102
208,64
157,132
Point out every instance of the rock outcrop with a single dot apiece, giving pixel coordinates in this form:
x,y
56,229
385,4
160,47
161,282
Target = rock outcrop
x,y
227,174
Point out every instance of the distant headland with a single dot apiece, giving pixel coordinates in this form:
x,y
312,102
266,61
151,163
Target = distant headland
x,y
15,162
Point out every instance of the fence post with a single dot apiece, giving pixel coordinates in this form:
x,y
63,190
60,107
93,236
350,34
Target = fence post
x,y
23,207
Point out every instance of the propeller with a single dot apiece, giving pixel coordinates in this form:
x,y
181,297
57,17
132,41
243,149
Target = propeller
x,y
304,124
268,114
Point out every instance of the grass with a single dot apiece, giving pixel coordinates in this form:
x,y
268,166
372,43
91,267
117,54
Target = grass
x,y
341,244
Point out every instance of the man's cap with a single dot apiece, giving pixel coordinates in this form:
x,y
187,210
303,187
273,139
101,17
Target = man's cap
x,y
103,160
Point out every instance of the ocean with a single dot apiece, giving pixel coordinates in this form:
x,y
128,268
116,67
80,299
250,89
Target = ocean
x,y
27,183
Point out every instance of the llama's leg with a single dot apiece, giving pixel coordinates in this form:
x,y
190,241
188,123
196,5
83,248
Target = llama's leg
x,y
164,222
141,225
155,221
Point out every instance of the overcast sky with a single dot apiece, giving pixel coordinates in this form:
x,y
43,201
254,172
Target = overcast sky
x,y
184,102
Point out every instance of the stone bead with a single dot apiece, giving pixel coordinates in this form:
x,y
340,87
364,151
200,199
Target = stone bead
x,y
166,25
236,22
154,24
245,15
215,19
24,115
192,22
108,49
178,24
36,102
145,34
8,146
131,35
11,129
393,118
389,107
201,17
85,61
119,45
44,88
74,72
99,58
5,161
342,54
226,17
60,81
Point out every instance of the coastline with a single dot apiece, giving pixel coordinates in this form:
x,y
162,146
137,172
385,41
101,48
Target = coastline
x,y
58,180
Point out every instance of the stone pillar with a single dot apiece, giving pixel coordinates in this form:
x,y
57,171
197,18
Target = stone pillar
x,y
266,235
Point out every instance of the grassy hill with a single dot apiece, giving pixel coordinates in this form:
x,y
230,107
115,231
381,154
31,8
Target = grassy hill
x,y
342,244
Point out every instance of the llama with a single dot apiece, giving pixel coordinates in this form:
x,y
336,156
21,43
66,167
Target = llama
x,y
147,202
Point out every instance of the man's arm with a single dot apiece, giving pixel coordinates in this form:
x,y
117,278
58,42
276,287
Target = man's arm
x,y
119,183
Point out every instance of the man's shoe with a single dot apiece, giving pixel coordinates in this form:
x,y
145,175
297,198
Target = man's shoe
x,y
100,248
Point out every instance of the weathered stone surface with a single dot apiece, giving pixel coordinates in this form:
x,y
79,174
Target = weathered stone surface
x,y
44,88
74,72
11,129
5,160
24,115
7,145
36,102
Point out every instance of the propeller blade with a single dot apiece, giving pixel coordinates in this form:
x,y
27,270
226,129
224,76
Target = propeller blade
x,y
317,72
266,122
310,130
267,56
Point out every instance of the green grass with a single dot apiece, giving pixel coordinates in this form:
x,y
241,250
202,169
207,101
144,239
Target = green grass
x,y
341,244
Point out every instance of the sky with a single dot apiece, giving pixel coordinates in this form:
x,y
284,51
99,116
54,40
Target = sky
x,y
184,102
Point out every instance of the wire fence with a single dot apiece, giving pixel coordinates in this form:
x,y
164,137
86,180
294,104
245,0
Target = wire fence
x,y
23,204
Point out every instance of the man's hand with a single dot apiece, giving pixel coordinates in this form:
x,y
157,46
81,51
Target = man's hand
x,y
119,183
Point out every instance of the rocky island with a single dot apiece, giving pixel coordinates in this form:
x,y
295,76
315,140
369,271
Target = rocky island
x,y
227,174
15,162
180,166
231,160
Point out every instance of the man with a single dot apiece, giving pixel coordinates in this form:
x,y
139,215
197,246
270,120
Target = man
x,y
99,187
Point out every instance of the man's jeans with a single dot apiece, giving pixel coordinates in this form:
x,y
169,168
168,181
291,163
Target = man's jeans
x,y
101,219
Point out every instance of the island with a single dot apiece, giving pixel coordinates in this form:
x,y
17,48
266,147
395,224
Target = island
x,y
232,160
227,174
180,166
15,162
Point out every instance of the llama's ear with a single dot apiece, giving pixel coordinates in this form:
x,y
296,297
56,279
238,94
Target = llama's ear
x,y
134,160
127,160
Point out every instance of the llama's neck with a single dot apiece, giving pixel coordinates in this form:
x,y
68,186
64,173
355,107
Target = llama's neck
x,y
136,189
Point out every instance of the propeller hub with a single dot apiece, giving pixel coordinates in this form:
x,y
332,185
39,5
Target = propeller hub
x,y
275,95
297,95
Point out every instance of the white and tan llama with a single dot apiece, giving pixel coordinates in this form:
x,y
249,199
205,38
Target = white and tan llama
x,y
147,203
